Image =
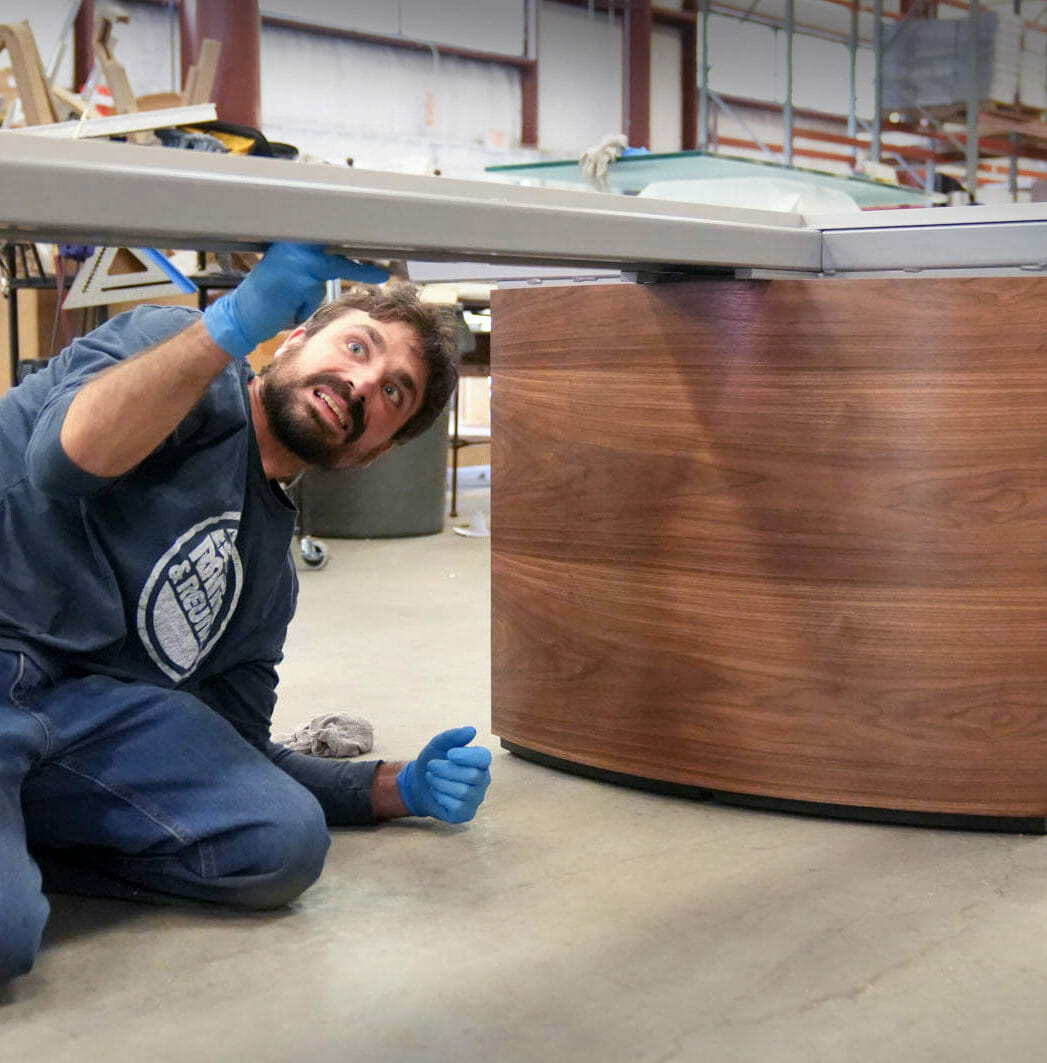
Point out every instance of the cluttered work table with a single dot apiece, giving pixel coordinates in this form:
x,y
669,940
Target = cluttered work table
x,y
770,500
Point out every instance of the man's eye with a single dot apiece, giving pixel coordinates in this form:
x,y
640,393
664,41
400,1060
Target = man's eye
x,y
394,394
356,347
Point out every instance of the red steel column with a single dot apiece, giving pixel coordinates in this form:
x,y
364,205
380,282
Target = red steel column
x,y
689,78
529,106
529,78
638,19
84,43
237,24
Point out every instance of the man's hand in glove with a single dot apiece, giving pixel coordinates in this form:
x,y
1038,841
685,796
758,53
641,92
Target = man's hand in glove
x,y
280,292
449,779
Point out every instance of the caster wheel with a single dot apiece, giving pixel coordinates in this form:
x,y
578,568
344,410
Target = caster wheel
x,y
314,553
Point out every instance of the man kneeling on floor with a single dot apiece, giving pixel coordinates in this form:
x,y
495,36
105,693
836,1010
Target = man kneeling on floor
x,y
147,585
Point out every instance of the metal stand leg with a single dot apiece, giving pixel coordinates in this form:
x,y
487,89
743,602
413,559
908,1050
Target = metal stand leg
x,y
201,291
454,454
12,312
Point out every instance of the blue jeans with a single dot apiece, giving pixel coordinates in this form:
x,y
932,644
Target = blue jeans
x,y
129,790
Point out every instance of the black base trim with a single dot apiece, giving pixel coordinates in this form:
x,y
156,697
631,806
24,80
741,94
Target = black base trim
x,y
941,820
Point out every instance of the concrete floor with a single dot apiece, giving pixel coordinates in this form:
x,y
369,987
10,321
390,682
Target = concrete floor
x,y
572,920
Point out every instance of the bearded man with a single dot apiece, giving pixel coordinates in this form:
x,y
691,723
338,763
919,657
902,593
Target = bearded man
x,y
148,584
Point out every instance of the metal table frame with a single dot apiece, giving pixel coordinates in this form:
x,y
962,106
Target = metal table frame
x,y
127,195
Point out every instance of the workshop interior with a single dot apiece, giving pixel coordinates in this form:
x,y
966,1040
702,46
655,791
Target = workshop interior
x,y
731,540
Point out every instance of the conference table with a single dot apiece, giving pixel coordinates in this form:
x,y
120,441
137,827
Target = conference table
x,y
769,507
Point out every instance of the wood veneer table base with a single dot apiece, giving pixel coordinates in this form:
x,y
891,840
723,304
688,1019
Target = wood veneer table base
x,y
944,820
780,542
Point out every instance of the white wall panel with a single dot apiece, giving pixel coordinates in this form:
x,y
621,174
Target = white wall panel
x,y
484,25
743,58
749,59
481,25
364,15
866,85
666,100
385,106
821,74
148,47
46,19
579,78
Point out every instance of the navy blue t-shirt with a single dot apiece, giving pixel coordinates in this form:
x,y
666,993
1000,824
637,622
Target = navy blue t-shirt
x,y
172,574
178,573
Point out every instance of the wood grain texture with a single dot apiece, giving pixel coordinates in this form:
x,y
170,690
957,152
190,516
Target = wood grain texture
x,y
785,538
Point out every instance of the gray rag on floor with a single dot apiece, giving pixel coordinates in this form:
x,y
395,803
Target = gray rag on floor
x,y
336,735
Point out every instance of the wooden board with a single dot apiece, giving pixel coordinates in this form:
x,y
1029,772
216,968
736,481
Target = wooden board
x,y
785,538
18,40
199,87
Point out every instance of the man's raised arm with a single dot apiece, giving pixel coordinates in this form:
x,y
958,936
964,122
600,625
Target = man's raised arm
x,y
120,416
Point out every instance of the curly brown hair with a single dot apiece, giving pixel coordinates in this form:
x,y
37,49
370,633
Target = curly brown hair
x,y
434,325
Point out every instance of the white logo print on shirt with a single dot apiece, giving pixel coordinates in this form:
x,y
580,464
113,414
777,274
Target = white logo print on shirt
x,y
191,595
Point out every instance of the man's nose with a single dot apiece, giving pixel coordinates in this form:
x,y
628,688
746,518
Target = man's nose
x,y
365,386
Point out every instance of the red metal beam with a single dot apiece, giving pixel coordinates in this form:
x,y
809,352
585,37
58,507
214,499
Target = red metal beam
x,y
83,43
529,106
638,72
776,108
237,25
667,16
529,75
812,153
688,77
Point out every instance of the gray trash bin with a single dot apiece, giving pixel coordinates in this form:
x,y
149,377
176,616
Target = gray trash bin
x,y
402,493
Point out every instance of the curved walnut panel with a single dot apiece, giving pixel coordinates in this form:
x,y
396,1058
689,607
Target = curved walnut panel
x,y
781,538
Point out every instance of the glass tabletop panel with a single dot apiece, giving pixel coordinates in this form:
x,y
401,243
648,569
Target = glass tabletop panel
x,y
632,173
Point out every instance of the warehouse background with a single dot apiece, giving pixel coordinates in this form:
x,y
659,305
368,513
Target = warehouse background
x,y
574,919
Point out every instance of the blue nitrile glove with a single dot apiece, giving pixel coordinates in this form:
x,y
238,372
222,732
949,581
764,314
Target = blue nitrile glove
x,y
447,781
281,291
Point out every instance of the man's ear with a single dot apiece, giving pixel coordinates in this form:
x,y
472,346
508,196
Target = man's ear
x,y
291,340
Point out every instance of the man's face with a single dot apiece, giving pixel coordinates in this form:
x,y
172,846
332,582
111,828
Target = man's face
x,y
338,397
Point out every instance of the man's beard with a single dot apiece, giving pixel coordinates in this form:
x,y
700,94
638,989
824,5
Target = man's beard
x,y
294,423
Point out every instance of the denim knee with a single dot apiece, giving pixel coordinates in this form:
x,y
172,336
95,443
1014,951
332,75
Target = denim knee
x,y
291,846
21,928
